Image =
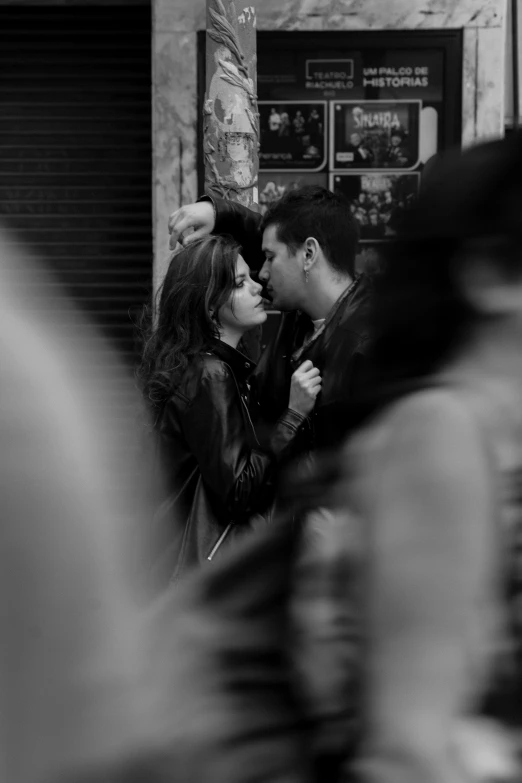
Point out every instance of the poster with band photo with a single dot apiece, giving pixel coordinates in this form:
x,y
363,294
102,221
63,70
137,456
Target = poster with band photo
x,y
374,134
293,135
274,184
377,201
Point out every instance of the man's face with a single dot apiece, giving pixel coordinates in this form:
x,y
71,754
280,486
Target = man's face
x,y
355,139
282,272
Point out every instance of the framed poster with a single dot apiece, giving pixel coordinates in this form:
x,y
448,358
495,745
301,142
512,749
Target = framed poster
x,y
293,135
374,134
377,200
272,185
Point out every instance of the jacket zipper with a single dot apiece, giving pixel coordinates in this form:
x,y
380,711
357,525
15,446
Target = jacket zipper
x,y
229,527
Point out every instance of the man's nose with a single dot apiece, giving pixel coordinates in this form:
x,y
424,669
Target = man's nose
x,y
264,274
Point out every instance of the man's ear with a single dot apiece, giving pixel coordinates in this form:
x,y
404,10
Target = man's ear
x,y
486,284
312,250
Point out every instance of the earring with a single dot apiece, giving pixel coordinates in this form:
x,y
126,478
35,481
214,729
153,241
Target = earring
x,y
307,274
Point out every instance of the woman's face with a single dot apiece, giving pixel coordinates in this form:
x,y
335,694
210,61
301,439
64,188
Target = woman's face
x,y
246,300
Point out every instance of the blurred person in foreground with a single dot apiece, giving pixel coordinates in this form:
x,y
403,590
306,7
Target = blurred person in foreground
x,y
427,544
78,699
432,482
195,380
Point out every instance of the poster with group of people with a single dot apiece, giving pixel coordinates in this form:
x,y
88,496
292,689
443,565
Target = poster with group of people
x,y
293,147
375,134
292,135
374,151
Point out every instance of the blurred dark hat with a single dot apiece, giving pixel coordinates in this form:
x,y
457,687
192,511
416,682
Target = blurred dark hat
x,y
470,193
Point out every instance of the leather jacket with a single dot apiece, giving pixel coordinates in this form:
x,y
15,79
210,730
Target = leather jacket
x,y
219,477
338,351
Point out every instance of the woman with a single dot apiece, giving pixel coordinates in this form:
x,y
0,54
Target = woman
x,y
196,382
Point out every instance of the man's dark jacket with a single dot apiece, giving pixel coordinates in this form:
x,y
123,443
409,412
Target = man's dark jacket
x,y
338,352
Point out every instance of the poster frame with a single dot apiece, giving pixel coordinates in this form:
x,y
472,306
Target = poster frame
x,y
294,169
332,161
376,173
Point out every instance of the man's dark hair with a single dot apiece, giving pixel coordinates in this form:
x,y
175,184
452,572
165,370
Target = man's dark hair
x,y
312,211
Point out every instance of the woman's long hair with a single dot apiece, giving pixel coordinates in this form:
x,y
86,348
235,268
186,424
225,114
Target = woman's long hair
x,y
199,281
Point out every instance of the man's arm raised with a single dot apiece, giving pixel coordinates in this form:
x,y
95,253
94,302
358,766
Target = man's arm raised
x,y
219,216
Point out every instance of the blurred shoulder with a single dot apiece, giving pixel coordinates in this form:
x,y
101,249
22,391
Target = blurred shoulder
x,y
434,429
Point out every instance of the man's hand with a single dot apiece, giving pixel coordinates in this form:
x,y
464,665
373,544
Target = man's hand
x,y
194,220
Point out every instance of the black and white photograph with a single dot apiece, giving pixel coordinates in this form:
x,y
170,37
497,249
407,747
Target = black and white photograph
x,y
374,134
377,200
293,135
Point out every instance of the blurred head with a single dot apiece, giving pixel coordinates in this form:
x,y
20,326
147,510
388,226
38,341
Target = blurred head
x,y
374,218
396,140
454,274
207,294
309,230
355,139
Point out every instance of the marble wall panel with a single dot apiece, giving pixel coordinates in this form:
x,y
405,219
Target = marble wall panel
x,y
469,86
174,132
490,82
179,15
383,14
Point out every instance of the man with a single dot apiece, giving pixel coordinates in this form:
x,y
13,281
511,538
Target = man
x,y
361,155
305,247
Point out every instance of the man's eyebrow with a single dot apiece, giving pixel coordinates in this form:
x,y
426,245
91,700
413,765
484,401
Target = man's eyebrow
x,y
242,276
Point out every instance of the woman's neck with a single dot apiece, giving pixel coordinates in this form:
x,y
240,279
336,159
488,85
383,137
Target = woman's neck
x,y
230,338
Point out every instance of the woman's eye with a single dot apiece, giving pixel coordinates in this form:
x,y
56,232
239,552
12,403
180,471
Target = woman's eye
x,y
240,284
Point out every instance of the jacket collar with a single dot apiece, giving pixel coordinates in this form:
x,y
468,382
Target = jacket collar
x,y
240,364
345,297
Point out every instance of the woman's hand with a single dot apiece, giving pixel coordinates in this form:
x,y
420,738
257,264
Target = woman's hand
x,y
197,218
305,386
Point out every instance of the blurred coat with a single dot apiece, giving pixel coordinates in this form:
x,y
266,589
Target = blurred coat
x,y
77,701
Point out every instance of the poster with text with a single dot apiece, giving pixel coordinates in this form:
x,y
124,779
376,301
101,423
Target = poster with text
x,y
377,201
273,185
293,135
374,134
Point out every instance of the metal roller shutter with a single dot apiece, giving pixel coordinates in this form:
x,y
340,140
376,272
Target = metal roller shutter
x,y
75,151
